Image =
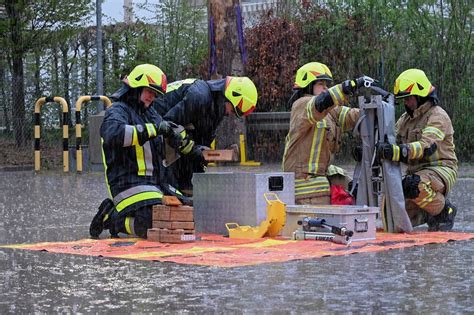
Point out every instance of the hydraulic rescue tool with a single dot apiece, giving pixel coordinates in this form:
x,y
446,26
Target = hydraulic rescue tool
x,y
310,231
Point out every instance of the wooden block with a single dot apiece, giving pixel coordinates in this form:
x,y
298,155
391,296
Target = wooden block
x,y
153,235
219,155
176,236
174,213
171,201
173,225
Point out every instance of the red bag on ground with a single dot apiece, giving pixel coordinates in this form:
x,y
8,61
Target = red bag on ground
x,y
339,196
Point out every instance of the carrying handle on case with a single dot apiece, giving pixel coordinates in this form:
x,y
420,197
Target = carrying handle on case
x,y
274,197
231,225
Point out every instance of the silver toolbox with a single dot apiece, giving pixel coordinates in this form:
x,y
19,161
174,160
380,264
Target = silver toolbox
x,y
359,219
225,197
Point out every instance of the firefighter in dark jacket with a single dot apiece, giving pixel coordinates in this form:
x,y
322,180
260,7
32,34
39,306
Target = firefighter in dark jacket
x,y
131,144
200,106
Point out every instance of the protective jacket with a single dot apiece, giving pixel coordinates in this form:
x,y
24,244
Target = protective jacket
x,y
132,169
428,132
312,141
197,105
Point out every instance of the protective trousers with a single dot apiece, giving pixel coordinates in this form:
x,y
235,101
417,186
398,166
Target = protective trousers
x,y
430,200
136,223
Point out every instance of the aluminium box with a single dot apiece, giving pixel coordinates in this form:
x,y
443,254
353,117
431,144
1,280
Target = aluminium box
x,y
359,219
238,197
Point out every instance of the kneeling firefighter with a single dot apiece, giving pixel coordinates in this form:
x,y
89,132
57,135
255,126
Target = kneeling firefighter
x,y
425,143
131,142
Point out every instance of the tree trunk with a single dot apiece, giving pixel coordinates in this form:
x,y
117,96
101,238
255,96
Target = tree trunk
x,y
36,76
18,97
104,65
85,41
226,38
18,94
55,87
115,57
66,78
227,60
3,88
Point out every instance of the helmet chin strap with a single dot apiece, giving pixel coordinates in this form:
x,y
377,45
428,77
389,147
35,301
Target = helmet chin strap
x,y
409,111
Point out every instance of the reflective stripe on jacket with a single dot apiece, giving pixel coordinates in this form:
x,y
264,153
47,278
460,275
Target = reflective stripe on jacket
x,y
131,170
429,125
312,141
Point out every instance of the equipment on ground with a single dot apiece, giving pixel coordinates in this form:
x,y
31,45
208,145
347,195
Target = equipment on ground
x,y
222,197
311,230
309,224
361,220
321,236
270,227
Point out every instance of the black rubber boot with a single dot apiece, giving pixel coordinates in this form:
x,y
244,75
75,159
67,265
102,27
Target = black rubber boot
x,y
443,221
98,222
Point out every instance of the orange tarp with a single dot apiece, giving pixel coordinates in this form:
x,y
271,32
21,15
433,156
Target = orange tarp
x,y
216,250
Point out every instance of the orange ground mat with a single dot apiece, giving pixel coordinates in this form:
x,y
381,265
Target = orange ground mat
x,y
216,250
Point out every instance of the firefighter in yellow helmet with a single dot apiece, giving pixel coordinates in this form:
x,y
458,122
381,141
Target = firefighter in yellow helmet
x,y
425,143
200,106
318,120
131,141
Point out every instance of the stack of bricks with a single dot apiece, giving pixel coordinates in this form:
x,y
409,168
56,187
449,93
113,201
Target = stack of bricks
x,y
172,222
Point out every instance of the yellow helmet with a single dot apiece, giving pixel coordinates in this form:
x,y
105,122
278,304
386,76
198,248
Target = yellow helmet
x,y
412,82
149,76
242,93
311,72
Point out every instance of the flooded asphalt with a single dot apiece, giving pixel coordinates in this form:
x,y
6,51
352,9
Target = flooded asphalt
x,y
436,278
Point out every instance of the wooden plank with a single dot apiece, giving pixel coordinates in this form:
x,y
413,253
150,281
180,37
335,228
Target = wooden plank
x,y
173,225
219,155
171,201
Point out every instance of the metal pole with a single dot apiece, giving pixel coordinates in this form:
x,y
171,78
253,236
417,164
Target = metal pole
x,y
100,70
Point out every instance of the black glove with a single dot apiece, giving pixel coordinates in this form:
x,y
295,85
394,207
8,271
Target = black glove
x,y
350,86
165,128
392,152
410,186
196,154
174,133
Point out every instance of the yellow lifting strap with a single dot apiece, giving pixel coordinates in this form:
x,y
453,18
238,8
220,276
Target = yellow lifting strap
x,y
276,217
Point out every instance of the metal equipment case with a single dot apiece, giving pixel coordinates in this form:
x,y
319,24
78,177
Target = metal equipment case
x,y
359,219
224,197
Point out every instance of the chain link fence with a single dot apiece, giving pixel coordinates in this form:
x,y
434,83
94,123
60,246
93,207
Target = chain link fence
x,y
351,37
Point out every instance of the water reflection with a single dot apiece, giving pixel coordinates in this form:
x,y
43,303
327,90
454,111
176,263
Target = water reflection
x,y
429,279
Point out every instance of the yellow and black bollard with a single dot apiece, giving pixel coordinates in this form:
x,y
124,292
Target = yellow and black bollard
x,y
243,154
83,99
40,102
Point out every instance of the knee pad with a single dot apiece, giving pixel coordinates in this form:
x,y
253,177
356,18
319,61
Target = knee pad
x,y
410,186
